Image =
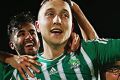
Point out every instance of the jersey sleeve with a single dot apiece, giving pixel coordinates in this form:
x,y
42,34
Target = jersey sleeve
x,y
108,50
102,50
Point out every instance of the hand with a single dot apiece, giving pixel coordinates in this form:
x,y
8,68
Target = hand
x,y
74,42
23,63
75,8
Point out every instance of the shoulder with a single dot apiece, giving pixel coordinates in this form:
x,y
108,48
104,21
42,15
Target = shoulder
x,y
101,40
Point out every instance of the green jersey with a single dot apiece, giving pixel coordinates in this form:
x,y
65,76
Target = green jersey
x,y
2,70
83,64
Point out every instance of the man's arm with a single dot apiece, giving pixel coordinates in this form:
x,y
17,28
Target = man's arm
x,y
4,56
86,28
21,63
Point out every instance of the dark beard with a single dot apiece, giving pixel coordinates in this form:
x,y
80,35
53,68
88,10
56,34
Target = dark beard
x,y
20,49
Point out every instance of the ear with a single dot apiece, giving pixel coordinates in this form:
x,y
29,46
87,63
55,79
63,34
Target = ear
x,y
37,26
11,44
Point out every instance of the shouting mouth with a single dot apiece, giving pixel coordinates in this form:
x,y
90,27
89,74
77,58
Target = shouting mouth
x,y
56,31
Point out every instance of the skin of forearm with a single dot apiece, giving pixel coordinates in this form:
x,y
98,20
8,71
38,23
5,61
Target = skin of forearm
x,y
5,57
86,28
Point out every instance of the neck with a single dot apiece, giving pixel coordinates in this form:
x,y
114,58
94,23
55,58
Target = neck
x,y
52,51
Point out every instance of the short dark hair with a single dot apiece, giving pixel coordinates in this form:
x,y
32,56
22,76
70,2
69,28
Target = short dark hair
x,y
68,1
18,20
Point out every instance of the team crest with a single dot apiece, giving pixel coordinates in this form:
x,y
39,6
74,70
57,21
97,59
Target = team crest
x,y
74,62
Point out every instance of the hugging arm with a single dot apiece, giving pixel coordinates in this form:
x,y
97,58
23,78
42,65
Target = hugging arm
x,y
21,63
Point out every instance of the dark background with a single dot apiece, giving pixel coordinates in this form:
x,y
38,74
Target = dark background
x,y
104,15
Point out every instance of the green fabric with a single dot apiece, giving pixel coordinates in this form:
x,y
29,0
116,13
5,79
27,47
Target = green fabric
x,y
84,64
1,71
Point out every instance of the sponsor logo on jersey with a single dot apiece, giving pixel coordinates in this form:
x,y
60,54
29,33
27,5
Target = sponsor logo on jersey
x,y
53,71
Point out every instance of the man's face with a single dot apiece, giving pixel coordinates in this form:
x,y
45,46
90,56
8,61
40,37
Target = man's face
x,y
114,72
55,21
25,40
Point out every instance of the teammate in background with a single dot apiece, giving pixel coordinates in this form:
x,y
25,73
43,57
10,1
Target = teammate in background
x,y
111,71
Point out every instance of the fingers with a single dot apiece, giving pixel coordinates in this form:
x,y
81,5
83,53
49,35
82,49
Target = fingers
x,y
34,62
33,67
22,73
29,57
26,64
26,69
75,42
32,59
30,62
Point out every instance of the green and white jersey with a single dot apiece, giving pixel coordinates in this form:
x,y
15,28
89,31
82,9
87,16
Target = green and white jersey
x,y
84,64
13,74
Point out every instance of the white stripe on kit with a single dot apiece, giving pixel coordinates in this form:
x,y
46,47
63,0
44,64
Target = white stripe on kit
x,y
60,70
17,77
89,62
45,72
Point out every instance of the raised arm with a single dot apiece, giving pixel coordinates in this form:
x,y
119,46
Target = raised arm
x,y
86,28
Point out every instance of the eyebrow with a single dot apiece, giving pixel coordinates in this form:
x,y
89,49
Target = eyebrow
x,y
20,31
24,30
64,10
32,30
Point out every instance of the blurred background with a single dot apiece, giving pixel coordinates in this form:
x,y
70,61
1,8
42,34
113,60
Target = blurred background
x,y
104,15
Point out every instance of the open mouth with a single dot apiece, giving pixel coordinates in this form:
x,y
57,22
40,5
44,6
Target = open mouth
x,y
29,45
56,31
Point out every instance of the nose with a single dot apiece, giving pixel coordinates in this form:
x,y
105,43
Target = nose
x,y
29,36
57,20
